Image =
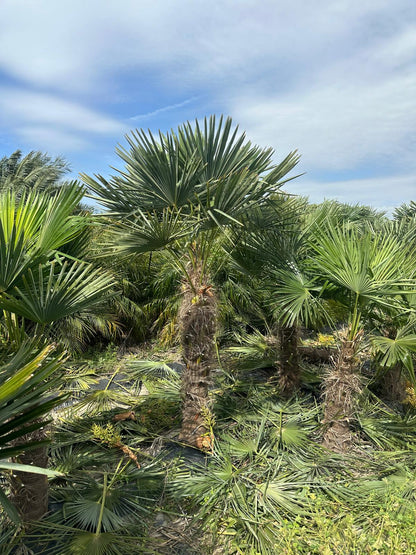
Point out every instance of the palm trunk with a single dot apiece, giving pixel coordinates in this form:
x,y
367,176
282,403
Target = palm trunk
x,y
30,492
317,355
392,385
289,371
198,325
341,387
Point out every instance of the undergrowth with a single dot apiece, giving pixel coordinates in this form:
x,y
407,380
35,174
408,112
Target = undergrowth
x,y
269,487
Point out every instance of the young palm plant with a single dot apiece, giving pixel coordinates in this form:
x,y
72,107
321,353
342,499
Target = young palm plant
x,y
180,192
371,272
293,296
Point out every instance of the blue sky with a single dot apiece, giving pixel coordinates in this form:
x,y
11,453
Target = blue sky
x,y
335,80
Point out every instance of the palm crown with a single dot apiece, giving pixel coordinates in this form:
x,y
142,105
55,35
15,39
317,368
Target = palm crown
x,y
188,182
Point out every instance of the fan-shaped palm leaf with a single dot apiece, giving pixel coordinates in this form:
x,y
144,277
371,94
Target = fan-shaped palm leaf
x,y
149,232
25,382
397,350
152,369
51,295
297,298
370,266
222,149
30,228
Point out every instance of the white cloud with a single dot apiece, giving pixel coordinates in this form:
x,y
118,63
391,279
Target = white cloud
x,y
71,44
356,111
381,192
47,121
334,79
51,139
33,107
337,125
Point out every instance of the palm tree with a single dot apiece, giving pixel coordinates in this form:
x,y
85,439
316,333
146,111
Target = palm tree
x,y
38,287
26,380
406,211
394,340
179,193
293,296
35,171
371,272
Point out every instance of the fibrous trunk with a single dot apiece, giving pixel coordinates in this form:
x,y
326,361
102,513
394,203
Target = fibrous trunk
x,y
289,371
392,387
317,355
30,492
198,326
341,386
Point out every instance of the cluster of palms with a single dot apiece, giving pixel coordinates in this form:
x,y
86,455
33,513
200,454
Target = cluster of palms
x,y
205,207
333,271
197,190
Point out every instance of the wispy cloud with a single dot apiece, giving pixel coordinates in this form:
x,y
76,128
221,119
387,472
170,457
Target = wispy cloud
x,y
164,109
48,121
337,125
51,139
23,105
383,192
356,111
77,45
335,80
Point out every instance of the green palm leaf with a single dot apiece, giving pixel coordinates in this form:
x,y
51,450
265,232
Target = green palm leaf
x,y
25,382
283,495
159,172
222,149
397,350
366,264
205,167
47,295
32,227
150,368
29,468
149,232
297,298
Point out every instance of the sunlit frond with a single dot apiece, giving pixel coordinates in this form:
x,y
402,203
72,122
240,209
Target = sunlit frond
x,y
51,294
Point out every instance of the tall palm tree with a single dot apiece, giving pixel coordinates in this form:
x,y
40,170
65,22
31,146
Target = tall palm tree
x,y
179,192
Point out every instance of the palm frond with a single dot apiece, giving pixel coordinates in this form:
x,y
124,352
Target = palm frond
x,y
149,232
25,384
296,298
396,350
33,226
152,369
51,295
